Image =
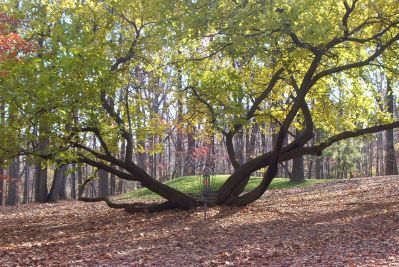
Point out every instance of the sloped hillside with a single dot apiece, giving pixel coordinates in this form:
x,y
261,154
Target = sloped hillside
x,y
352,222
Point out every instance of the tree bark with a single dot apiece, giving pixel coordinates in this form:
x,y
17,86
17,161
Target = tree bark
x,y
1,185
12,197
56,187
189,166
41,190
26,183
63,194
112,187
298,175
319,160
73,182
390,157
103,183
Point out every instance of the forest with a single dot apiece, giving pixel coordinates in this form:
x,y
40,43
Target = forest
x,y
194,102
106,94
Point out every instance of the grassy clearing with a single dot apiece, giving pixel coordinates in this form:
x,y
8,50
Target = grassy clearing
x,y
190,185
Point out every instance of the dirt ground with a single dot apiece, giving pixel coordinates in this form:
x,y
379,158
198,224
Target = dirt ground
x,y
342,223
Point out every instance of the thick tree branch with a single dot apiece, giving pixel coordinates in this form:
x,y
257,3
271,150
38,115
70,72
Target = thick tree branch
x,y
121,124
130,53
231,151
318,149
105,167
151,207
378,51
295,39
258,100
250,114
207,105
97,132
224,193
348,12
105,157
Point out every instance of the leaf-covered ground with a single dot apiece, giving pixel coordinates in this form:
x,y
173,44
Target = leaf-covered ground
x,y
343,223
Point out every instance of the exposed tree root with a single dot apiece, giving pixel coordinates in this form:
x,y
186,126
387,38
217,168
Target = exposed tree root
x,y
150,207
132,207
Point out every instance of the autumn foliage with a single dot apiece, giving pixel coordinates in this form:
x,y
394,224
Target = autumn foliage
x,y
12,45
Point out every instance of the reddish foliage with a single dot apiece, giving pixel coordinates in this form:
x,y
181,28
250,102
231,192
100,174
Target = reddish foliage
x,y
12,45
5,177
200,152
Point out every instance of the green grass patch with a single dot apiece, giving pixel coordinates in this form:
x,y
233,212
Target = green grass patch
x,y
190,185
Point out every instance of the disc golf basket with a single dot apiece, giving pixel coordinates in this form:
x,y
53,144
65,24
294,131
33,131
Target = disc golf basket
x,y
203,188
206,185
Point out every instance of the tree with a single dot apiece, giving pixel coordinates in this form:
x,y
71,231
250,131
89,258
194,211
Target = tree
x,y
298,173
12,49
390,160
13,173
243,64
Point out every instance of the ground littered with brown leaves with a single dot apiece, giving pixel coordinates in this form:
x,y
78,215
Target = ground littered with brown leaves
x,y
342,223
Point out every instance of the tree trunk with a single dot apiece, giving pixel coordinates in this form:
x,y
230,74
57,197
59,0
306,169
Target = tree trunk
x,y
26,183
63,194
112,184
1,185
73,182
41,190
122,157
12,197
319,159
371,158
103,185
310,166
390,157
298,175
56,188
189,166
80,175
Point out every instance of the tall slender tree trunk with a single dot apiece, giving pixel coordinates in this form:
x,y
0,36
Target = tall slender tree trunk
x,y
328,169
41,190
189,167
319,159
390,157
1,186
298,173
370,158
80,175
63,194
285,170
122,157
26,183
73,182
298,170
379,155
310,167
12,184
103,183
112,187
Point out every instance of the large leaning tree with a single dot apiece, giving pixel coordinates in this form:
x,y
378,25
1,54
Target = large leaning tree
x,y
235,65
